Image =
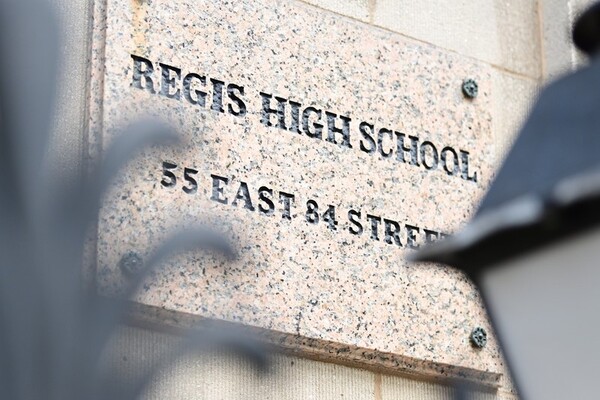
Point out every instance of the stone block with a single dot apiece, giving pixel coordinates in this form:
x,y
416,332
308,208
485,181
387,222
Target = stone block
x,y
358,9
513,98
558,52
223,376
324,149
504,33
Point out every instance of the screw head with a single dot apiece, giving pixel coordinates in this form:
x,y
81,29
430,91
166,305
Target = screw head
x,y
470,88
479,337
131,263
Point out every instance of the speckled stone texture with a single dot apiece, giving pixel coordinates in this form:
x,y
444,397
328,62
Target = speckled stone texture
x,y
339,291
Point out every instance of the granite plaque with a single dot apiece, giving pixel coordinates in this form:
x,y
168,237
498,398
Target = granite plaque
x,y
326,149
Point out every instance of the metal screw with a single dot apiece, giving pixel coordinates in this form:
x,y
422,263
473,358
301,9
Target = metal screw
x,y
470,88
131,263
479,337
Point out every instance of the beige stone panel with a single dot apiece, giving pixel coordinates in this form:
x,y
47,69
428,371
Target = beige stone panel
x,y
502,32
358,9
395,387
559,55
319,282
223,376
133,352
512,99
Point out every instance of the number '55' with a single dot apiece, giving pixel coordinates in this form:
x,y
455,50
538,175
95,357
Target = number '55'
x,y
170,179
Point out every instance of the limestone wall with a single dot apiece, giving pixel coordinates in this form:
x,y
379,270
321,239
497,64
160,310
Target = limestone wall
x,y
223,376
524,41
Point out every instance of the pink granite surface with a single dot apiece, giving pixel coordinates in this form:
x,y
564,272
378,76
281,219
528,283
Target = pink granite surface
x,y
305,280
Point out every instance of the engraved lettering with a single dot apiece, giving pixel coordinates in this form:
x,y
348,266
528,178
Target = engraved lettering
x,y
375,220
200,98
309,120
402,149
356,228
217,189
380,134
169,178
332,129
142,71
317,129
267,206
314,213
392,232
295,110
235,93
430,236
446,163
244,195
363,128
217,97
286,200
267,111
192,186
411,238
464,156
433,163
169,81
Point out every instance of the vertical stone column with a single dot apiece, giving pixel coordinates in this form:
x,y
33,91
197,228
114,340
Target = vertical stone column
x,y
559,55
70,122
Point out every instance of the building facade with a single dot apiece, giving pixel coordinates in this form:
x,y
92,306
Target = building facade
x,y
513,47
